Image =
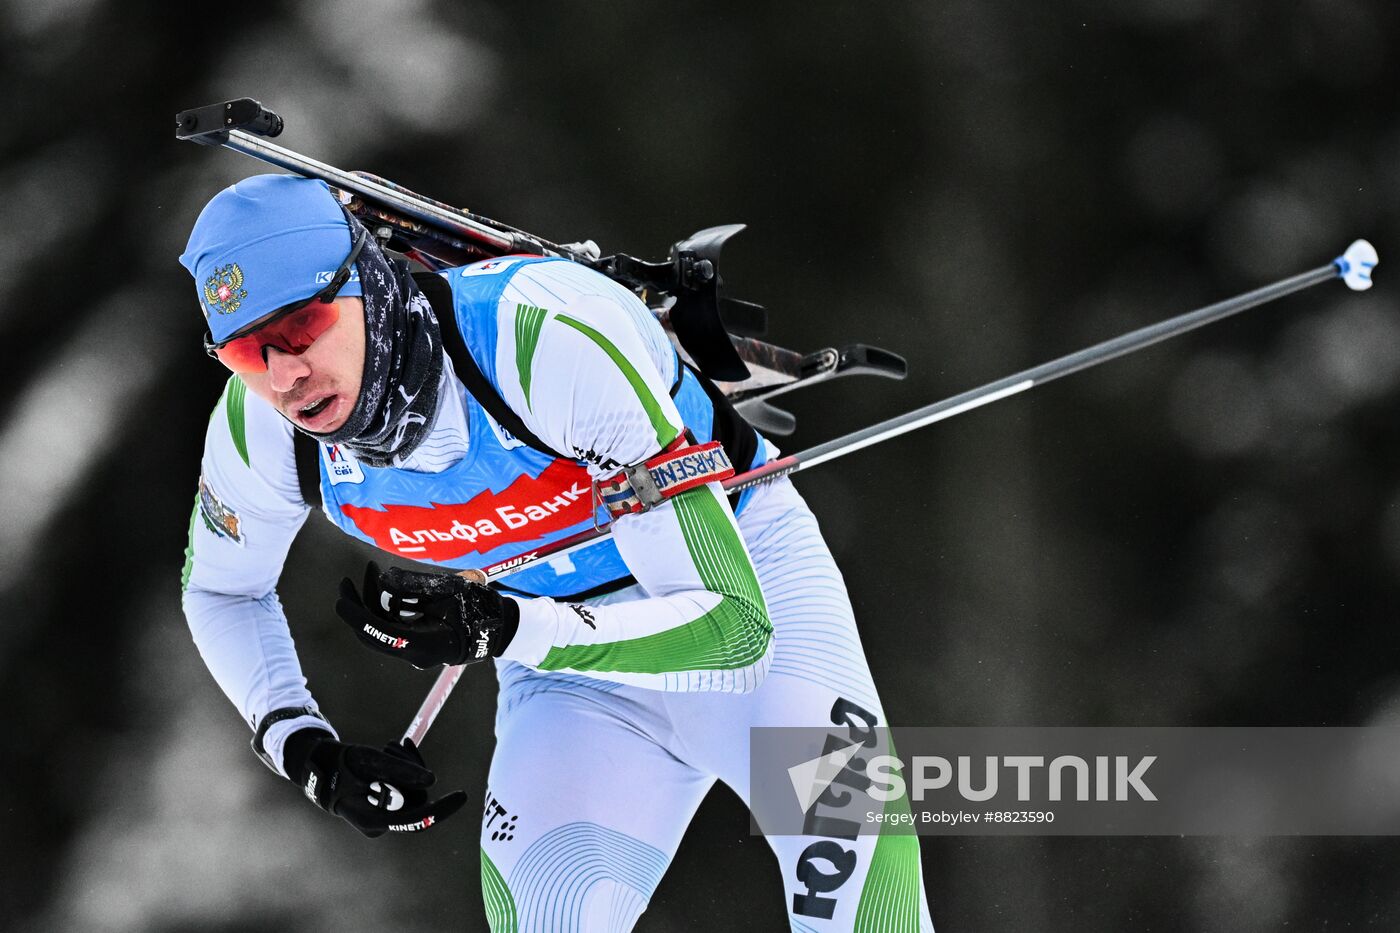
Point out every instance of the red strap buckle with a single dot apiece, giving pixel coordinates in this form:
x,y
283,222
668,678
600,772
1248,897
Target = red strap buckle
x,y
675,470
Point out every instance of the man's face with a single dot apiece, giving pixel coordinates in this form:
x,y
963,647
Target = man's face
x,y
317,389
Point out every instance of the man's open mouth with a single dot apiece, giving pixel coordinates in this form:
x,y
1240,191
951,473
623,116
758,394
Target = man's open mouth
x,y
319,412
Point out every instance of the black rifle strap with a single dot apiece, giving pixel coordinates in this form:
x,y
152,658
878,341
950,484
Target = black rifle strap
x,y
439,295
730,429
307,451
737,436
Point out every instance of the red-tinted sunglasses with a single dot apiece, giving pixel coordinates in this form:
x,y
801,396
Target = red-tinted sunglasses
x,y
291,329
292,332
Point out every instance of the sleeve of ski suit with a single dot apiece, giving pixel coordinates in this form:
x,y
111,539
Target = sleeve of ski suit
x,y
247,511
588,369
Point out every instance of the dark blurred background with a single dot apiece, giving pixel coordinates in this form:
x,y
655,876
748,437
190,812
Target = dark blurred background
x,y
1205,533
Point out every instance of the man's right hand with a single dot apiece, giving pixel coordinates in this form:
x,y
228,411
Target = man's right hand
x,y
428,619
374,790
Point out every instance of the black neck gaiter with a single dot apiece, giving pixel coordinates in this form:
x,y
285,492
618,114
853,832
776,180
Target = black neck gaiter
x,y
403,366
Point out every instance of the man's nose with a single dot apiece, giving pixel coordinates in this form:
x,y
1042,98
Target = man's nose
x,y
284,369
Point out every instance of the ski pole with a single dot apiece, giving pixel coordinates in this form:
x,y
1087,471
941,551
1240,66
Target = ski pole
x,y
1353,267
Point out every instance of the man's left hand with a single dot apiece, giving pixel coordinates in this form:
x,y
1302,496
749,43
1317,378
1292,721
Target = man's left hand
x,y
428,619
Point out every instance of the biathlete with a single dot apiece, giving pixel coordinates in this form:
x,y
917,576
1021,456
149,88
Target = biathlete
x,y
460,419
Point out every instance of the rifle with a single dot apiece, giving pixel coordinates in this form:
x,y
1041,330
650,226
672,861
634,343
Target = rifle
x,y
712,331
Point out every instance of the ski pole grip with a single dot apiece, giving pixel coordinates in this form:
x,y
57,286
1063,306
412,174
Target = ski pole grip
x,y
210,125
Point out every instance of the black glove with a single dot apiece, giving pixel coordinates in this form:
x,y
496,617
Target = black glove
x,y
428,618
376,791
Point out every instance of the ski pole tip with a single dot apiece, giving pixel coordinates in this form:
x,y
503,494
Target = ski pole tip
x,y
1355,265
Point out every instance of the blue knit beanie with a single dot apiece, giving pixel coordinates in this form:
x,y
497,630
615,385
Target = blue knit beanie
x,y
262,244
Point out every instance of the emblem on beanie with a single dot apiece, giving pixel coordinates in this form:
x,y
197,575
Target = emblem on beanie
x,y
223,291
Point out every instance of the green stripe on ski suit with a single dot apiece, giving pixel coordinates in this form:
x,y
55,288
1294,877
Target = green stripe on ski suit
x,y
890,900
528,321
665,431
237,426
189,548
500,906
732,635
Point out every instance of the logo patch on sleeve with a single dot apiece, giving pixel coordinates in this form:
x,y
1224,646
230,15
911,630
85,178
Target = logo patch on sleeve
x,y
218,518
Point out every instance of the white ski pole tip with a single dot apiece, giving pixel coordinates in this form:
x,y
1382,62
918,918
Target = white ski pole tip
x,y
1355,265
